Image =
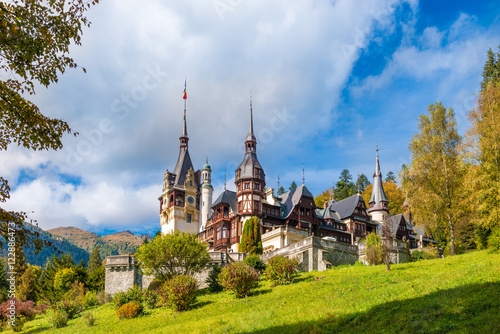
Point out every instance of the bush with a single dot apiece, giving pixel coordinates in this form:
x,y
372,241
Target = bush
x,y
129,310
239,278
23,311
255,262
89,319
374,249
18,324
90,299
494,240
132,294
72,301
151,298
180,292
103,297
156,284
59,319
212,279
281,270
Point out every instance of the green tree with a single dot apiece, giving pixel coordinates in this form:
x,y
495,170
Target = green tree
x,y
281,190
293,185
344,187
34,45
173,254
95,260
374,249
434,178
390,177
251,241
491,71
45,285
4,284
26,288
362,182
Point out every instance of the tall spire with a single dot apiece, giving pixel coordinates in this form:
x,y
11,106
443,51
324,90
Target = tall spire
x,y
378,200
184,137
303,175
250,140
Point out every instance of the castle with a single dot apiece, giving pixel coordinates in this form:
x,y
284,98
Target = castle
x,y
186,205
291,224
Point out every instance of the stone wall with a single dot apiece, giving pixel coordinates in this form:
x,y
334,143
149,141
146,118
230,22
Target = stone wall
x,y
315,253
122,272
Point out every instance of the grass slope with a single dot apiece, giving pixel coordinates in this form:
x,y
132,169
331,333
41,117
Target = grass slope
x,y
457,294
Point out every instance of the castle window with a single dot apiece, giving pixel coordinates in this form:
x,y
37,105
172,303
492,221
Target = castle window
x,y
301,211
308,212
247,186
223,232
256,205
256,186
188,218
218,233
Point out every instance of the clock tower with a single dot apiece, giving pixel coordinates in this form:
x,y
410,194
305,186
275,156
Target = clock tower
x,y
179,201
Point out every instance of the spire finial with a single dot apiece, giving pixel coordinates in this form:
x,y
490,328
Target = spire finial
x,y
224,179
206,159
278,184
359,186
303,175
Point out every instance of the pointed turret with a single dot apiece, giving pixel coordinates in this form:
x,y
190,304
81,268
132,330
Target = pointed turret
x,y
250,140
378,200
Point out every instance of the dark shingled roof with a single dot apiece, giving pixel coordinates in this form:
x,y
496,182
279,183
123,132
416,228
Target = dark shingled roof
x,y
291,198
228,197
345,208
182,167
393,222
247,167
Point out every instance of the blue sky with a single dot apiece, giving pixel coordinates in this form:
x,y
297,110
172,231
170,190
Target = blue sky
x,y
329,80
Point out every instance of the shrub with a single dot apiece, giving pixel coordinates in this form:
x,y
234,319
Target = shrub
x,y
72,301
494,240
156,284
64,279
129,310
281,270
89,319
103,297
90,299
255,262
180,292
59,319
132,294
212,279
239,278
251,240
20,312
151,298
374,249
18,324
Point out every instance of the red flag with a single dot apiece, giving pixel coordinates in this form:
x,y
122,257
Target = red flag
x,y
184,96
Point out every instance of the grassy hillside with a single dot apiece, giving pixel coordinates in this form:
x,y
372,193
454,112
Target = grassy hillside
x,y
457,294
81,238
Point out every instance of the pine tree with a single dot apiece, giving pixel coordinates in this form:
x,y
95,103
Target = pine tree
x,y
94,260
281,190
390,177
293,185
344,187
490,71
251,241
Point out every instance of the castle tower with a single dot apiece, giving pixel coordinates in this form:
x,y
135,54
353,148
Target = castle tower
x,y
206,195
250,178
379,204
179,201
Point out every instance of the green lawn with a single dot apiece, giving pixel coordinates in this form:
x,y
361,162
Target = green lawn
x,y
459,294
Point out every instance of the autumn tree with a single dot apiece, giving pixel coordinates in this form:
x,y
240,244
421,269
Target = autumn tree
x,y
485,134
325,196
394,193
251,241
433,179
173,254
34,49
